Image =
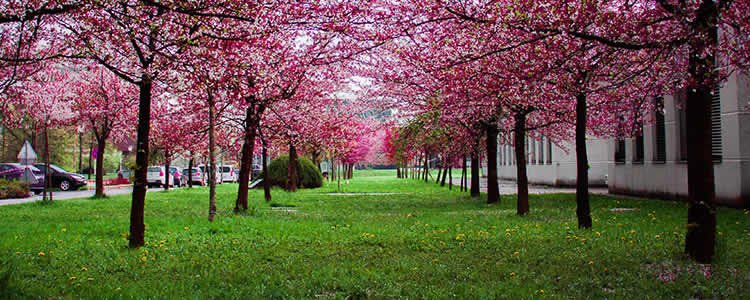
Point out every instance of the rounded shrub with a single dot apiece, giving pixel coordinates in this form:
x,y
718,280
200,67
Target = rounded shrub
x,y
309,175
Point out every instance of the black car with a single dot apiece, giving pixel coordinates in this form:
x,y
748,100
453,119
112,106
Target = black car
x,y
63,179
29,174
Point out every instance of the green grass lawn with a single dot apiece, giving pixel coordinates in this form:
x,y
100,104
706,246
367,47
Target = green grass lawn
x,y
418,241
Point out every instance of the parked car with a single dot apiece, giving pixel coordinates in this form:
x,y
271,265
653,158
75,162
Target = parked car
x,y
30,174
63,179
156,176
227,173
197,176
203,169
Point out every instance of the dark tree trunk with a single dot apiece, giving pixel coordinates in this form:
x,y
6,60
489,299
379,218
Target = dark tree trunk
x,y
190,171
252,119
80,152
583,211
166,170
266,183
398,172
493,191
440,171
211,158
47,173
445,175
700,239
351,171
464,175
521,177
137,227
292,176
426,166
100,167
474,189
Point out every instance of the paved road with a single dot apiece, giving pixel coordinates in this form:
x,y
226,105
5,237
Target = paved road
x,y
119,190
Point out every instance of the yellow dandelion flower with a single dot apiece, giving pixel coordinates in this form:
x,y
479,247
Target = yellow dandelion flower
x,y
516,253
512,274
84,269
72,278
17,253
144,258
41,254
657,236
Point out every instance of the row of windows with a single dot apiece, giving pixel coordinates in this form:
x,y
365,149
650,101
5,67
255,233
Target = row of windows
x,y
660,134
538,152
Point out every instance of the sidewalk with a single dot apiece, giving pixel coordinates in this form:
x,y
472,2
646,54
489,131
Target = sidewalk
x,y
108,190
509,187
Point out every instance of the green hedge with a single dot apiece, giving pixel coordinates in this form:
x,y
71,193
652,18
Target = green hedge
x,y
13,189
310,175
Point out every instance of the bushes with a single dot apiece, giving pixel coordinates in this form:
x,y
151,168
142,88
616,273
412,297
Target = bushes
x,y
310,176
13,189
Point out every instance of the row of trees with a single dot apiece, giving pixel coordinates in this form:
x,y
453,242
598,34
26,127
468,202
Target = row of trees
x,y
555,68
201,75
564,70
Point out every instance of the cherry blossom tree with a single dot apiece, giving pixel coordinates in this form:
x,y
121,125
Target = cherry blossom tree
x,y
104,104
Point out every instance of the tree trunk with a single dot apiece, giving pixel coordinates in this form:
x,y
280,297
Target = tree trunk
x,y
252,119
475,172
439,174
266,183
80,152
583,212
464,175
101,143
398,172
166,170
47,173
493,191
211,158
426,166
292,176
700,239
137,227
190,171
445,175
522,205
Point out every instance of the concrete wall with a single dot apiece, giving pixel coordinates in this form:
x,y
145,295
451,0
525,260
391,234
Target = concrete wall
x,y
562,170
669,179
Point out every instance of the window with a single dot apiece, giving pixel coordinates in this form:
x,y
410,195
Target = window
x,y
620,151
638,145
716,141
532,153
660,141
540,159
549,151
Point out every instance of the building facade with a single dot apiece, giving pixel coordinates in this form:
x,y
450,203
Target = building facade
x,y
654,163
555,165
